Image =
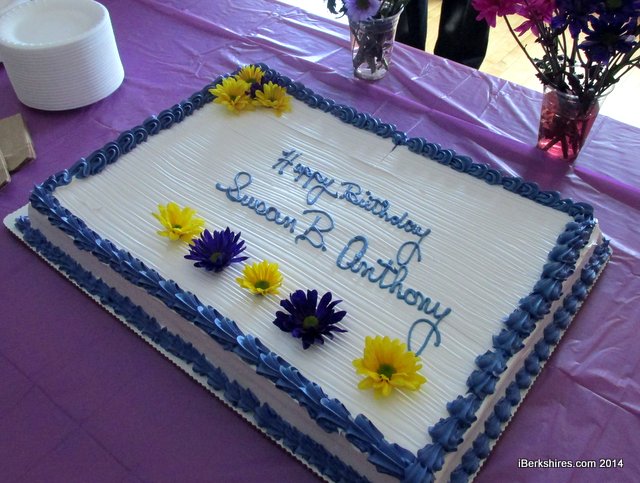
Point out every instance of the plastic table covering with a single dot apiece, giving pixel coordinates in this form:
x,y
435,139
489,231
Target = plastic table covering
x,y
84,399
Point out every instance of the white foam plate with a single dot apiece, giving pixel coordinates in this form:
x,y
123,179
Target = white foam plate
x,y
60,54
47,23
6,5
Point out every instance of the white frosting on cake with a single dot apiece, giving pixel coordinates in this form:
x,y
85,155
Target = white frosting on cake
x,y
485,251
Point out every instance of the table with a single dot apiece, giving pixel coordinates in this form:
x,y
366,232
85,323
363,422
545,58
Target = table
x,y
83,399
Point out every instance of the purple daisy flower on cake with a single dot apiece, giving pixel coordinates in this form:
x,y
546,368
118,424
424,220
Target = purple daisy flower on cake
x,y
307,319
216,251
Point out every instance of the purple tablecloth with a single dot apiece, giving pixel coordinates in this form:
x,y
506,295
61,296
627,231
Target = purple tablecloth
x,y
83,399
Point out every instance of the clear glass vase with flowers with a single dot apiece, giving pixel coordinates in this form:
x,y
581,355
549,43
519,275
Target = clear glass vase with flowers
x,y
373,26
585,47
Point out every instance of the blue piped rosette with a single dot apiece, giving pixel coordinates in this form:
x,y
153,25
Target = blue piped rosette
x,y
330,414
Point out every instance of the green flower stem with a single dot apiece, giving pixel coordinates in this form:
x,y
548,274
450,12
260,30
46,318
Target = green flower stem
x,y
524,49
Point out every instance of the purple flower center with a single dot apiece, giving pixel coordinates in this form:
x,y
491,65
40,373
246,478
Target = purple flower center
x,y
214,257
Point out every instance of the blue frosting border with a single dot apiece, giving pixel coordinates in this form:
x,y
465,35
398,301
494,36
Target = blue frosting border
x,y
330,414
234,393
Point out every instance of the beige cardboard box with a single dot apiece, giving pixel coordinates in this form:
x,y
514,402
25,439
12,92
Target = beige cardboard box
x,y
15,142
4,172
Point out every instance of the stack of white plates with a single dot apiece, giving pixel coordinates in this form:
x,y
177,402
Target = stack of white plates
x,y
6,5
60,54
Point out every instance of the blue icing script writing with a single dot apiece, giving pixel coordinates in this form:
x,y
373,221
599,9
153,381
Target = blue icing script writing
x,y
391,278
320,182
379,207
314,234
317,184
388,275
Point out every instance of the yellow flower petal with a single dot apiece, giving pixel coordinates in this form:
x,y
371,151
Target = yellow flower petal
x,y
275,97
234,94
365,384
386,364
251,74
262,278
385,390
178,223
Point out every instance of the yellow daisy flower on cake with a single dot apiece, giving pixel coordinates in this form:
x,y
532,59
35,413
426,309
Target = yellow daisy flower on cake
x,y
275,97
262,278
179,223
233,93
387,364
251,74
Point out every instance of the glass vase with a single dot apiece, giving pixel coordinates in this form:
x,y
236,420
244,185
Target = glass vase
x,y
371,46
565,122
